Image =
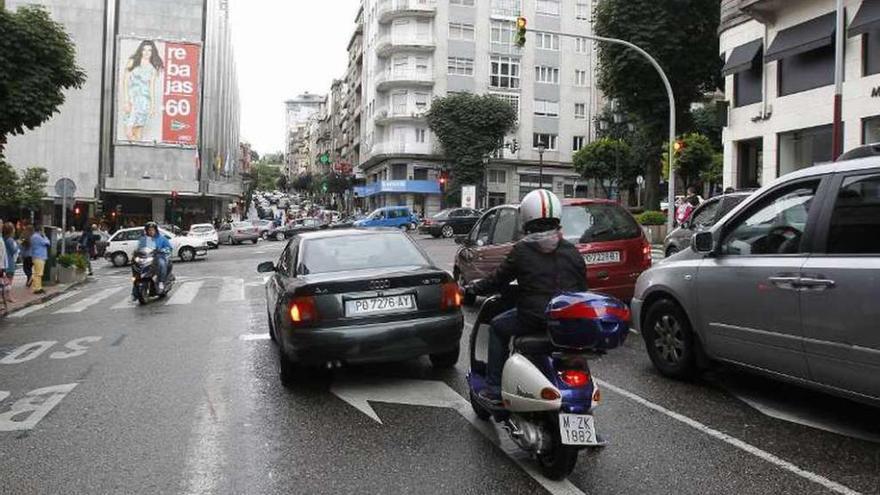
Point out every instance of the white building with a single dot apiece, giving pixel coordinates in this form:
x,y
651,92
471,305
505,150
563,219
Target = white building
x,y
780,84
415,50
297,112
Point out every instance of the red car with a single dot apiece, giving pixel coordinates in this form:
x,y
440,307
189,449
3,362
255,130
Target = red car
x,y
612,242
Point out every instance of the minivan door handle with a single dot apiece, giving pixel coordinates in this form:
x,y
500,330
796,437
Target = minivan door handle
x,y
785,282
817,284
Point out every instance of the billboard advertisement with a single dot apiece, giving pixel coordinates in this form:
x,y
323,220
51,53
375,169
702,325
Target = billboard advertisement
x,y
468,196
157,92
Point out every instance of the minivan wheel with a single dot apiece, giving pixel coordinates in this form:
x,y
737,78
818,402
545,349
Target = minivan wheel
x,y
447,231
670,340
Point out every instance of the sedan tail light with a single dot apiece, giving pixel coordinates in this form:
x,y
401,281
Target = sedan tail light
x,y
646,251
303,310
451,296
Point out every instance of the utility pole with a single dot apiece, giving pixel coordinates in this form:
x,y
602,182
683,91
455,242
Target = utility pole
x,y
840,40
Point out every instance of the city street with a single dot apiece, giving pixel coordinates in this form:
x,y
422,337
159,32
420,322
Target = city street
x,y
98,395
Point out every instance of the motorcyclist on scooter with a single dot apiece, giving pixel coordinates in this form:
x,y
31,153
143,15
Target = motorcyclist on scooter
x,y
153,239
543,264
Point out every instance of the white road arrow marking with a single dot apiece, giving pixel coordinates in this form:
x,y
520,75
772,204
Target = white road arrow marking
x,y
431,393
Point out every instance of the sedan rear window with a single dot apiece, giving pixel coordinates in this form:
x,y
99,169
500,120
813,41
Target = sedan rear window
x,y
357,252
202,228
600,222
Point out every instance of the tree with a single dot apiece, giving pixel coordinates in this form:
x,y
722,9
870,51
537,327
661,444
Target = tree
x,y
606,160
32,188
706,122
8,189
266,176
469,127
682,36
694,160
37,63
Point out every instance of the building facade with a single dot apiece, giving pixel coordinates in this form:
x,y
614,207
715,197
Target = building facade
x,y
352,107
779,67
417,50
158,116
297,112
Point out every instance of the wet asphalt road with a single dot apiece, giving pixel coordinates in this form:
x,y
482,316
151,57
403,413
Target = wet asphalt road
x,y
184,397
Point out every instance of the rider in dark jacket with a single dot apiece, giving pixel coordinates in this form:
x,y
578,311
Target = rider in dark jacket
x,y
544,265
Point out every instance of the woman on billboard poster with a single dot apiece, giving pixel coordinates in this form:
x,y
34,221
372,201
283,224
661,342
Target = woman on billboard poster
x,y
139,88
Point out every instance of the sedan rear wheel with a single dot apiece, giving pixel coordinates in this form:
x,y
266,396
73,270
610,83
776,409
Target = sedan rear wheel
x,y
447,231
264,235
669,340
446,359
187,254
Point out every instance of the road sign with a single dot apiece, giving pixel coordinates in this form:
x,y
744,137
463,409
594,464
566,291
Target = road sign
x,y
468,196
640,181
65,187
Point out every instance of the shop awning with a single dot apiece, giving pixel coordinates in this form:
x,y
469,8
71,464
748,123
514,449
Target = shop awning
x,y
742,58
866,19
813,34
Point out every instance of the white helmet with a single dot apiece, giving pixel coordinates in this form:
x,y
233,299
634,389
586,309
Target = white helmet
x,y
540,204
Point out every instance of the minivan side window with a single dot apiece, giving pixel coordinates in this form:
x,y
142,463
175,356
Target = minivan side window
x,y
505,227
855,220
776,226
484,231
705,217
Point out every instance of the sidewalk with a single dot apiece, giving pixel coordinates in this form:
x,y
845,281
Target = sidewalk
x,y
24,297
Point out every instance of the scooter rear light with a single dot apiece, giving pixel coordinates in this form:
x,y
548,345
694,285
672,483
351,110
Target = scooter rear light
x,y
303,310
451,296
575,378
548,393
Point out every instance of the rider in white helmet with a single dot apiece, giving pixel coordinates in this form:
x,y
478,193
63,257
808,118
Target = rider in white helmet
x,y
544,265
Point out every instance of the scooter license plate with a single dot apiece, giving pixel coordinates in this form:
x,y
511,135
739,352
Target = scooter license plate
x,y
577,429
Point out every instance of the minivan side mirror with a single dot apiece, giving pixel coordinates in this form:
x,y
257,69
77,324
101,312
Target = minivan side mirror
x,y
462,239
703,242
266,267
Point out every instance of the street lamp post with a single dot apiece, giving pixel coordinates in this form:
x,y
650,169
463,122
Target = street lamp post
x,y
486,160
541,150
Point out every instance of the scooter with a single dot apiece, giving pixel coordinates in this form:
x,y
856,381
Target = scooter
x,y
145,276
548,392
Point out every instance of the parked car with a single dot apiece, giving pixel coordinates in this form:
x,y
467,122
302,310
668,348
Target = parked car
x,y
238,232
266,228
123,244
356,296
399,217
785,284
207,232
702,218
301,225
612,242
450,222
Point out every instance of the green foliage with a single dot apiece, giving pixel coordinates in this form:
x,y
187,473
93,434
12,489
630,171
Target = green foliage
x,y
8,187
682,36
272,158
715,173
706,123
266,176
694,160
607,159
336,183
32,188
652,218
76,260
37,63
468,127
302,183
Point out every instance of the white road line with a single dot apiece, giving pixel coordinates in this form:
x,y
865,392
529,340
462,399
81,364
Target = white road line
x,y
88,302
186,293
253,336
125,303
37,307
735,442
232,290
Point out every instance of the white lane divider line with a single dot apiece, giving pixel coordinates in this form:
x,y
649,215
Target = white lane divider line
x,y
125,303
37,307
186,293
735,442
232,290
253,336
88,302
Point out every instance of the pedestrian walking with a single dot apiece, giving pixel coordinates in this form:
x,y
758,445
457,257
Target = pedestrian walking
x,y
27,262
87,245
12,252
40,253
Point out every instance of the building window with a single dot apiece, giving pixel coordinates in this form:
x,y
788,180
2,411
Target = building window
x,y
496,199
548,140
504,73
546,41
580,77
582,11
748,86
805,71
546,108
871,130
497,176
511,98
871,53
459,31
421,100
803,148
398,103
547,7
421,135
506,8
398,171
501,35
422,65
580,45
459,66
577,142
465,3
545,74
580,110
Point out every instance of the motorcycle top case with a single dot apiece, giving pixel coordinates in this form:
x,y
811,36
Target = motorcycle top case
x,y
587,321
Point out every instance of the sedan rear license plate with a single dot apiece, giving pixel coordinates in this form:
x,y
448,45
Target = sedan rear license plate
x,y
577,429
602,258
380,305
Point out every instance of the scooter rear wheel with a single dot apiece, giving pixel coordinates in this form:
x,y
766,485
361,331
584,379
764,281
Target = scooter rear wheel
x,y
559,462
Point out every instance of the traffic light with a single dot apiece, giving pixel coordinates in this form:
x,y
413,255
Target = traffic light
x,y
443,178
520,38
99,208
679,146
174,195
77,209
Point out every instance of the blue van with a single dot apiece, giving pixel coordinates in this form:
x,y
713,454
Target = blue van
x,y
399,217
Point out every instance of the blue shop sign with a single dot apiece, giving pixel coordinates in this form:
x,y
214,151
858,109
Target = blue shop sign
x,y
398,186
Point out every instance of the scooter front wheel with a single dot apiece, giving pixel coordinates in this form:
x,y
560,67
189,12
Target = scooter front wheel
x,y
559,461
143,293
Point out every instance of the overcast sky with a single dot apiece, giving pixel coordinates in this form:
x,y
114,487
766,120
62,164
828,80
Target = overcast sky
x,y
284,48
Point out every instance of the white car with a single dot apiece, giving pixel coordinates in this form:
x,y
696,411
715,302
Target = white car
x,y
123,244
207,232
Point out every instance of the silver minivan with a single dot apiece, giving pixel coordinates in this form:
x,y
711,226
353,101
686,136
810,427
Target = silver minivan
x,y
787,283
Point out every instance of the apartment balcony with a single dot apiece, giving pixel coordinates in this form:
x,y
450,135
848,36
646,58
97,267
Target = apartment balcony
x,y
406,148
385,116
389,44
393,79
392,9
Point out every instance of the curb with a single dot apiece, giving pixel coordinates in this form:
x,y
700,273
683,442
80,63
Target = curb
x,y
44,298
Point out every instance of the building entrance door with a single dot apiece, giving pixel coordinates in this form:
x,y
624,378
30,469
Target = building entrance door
x,y
750,163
